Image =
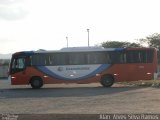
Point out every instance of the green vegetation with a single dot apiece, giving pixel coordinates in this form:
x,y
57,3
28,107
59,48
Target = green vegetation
x,y
118,44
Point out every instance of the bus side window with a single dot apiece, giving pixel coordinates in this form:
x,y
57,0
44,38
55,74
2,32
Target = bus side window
x,y
50,60
108,59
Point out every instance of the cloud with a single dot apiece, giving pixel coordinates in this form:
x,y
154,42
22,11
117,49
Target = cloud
x,y
12,13
9,1
12,10
4,40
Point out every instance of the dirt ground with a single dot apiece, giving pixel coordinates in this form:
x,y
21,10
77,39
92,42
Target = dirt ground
x,y
78,98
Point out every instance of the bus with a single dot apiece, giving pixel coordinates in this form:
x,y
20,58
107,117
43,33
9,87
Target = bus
x,y
82,65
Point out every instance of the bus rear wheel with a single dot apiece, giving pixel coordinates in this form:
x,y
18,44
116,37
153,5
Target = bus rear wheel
x,y
36,82
107,81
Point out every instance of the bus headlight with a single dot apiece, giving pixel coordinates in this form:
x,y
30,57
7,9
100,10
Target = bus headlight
x,y
13,77
115,74
149,73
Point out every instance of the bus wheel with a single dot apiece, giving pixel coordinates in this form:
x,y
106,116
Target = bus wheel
x,y
107,81
36,82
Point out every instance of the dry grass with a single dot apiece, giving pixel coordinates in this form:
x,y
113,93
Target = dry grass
x,y
144,83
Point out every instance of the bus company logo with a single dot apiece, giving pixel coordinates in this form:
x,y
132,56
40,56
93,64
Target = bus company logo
x,y
60,69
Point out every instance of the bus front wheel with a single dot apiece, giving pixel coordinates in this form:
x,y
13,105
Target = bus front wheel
x,y
36,82
107,81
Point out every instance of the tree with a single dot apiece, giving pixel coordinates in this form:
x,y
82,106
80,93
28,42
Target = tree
x,y
154,40
134,45
151,40
118,44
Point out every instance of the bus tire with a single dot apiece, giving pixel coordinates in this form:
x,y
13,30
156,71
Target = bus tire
x,y
107,80
36,82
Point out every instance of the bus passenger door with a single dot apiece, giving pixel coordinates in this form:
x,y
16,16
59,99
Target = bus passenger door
x,y
18,74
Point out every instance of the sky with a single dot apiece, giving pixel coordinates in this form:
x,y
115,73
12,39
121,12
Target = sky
x,y
44,24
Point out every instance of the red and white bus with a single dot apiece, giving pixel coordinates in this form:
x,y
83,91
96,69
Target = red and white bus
x,y
83,65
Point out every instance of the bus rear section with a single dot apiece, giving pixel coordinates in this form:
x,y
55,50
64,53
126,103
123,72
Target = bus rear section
x,y
82,66
137,64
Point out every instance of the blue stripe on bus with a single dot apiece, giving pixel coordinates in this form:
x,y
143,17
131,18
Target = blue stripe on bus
x,y
92,74
119,49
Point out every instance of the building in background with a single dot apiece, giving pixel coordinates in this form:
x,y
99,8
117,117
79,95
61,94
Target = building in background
x,y
4,65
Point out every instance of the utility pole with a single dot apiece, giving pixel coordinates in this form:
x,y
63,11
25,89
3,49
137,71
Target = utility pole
x,y
67,41
88,36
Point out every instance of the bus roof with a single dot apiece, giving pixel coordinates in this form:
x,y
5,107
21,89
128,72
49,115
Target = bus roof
x,y
78,49
82,49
